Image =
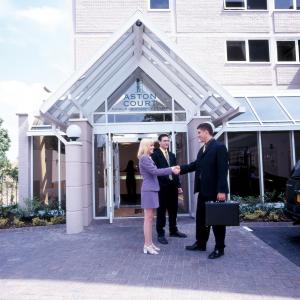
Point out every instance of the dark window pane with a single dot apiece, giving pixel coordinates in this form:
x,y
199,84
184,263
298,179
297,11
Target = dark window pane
x,y
298,4
259,50
299,47
235,3
257,4
286,51
236,51
283,4
297,144
159,4
243,158
276,163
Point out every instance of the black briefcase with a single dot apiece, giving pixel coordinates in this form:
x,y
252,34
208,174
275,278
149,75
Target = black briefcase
x,y
222,213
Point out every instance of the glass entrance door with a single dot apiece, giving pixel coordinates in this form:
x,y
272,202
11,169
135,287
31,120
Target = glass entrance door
x,y
126,176
117,177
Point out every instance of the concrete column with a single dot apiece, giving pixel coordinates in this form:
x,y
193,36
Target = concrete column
x,y
194,147
24,160
74,187
86,162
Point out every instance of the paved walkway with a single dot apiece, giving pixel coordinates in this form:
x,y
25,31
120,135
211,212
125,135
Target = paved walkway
x,y
106,262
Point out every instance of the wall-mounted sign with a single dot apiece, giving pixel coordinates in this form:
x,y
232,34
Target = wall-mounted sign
x,y
139,98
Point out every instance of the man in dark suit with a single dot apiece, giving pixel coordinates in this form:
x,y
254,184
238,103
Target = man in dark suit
x,y
169,189
211,167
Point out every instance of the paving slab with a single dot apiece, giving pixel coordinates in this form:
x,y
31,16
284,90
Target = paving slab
x,y
106,262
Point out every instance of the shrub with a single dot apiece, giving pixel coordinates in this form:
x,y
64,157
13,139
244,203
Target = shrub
x,y
38,222
18,223
3,222
58,220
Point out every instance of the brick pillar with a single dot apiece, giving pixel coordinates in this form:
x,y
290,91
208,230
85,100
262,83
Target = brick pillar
x,y
74,187
194,147
24,160
86,161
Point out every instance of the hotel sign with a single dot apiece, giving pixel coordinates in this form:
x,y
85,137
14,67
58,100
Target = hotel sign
x,y
138,98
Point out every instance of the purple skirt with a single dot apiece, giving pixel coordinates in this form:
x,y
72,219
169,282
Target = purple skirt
x,y
149,200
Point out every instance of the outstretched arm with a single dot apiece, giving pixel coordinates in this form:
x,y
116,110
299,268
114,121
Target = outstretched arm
x,y
152,169
191,167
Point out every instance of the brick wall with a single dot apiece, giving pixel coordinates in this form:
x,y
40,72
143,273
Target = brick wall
x,y
202,30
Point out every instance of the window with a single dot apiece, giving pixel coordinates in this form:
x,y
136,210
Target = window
x,y
246,4
276,163
259,50
159,4
248,51
287,4
286,50
236,51
243,162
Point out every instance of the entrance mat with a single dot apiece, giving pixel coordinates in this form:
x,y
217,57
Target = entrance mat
x,y
128,212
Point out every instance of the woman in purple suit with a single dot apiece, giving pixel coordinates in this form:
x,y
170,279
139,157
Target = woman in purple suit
x,y
149,190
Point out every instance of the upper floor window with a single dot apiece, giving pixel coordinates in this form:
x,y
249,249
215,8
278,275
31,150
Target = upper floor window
x,y
287,4
159,4
246,4
288,51
248,51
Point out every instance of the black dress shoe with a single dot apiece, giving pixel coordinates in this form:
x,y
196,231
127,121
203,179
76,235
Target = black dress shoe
x,y
178,234
216,254
162,240
195,247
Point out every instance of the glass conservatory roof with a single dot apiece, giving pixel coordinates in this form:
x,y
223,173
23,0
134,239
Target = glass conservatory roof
x,y
268,111
138,44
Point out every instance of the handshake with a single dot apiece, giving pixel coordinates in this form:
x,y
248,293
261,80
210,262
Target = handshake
x,y
176,170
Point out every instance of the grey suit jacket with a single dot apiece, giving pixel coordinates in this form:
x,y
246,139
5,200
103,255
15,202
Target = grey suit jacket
x,y
149,171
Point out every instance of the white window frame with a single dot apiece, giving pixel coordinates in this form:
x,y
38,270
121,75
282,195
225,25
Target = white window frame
x,y
287,9
225,8
247,61
159,9
295,62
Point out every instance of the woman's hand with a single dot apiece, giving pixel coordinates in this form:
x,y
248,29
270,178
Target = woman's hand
x,y
176,170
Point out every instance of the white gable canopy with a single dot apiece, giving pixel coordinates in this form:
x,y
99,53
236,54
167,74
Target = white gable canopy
x,y
139,45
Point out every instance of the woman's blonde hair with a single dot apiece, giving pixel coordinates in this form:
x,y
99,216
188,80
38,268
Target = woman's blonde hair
x,y
144,147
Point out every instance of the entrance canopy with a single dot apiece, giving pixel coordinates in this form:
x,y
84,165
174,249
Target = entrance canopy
x,y
139,45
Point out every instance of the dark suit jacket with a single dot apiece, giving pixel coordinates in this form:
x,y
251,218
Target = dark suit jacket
x,y
211,170
161,162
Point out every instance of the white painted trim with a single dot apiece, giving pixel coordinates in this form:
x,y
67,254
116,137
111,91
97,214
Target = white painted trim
x,y
293,148
31,167
93,174
59,174
260,167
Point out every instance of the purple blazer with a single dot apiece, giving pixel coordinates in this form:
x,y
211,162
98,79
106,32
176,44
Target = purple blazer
x,y
149,171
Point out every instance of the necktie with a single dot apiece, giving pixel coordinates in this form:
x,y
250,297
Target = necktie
x,y
167,157
168,160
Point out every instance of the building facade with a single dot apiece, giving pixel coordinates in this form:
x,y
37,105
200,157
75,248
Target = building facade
x,y
144,67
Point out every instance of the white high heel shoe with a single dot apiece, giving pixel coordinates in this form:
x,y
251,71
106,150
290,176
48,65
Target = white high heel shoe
x,y
155,247
149,250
